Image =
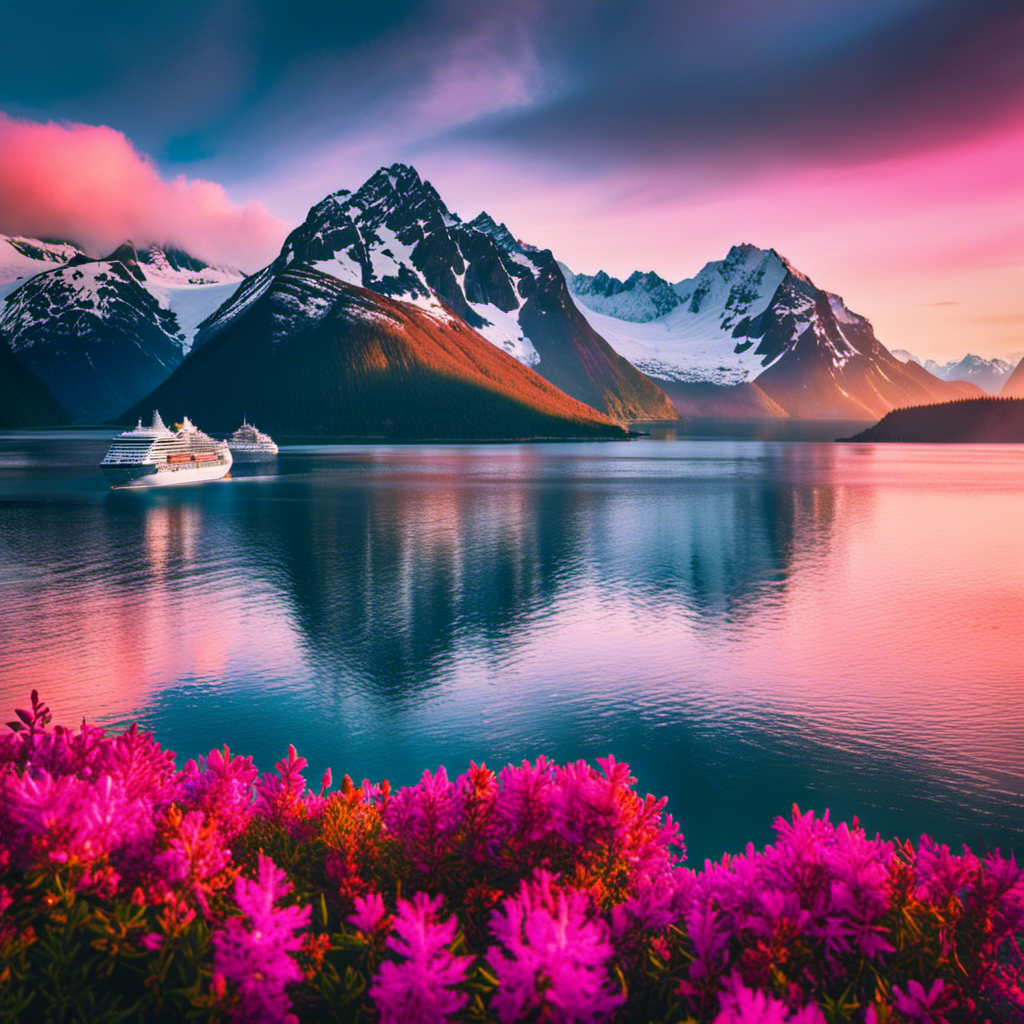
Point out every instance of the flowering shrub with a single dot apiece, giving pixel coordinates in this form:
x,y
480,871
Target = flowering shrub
x,y
132,891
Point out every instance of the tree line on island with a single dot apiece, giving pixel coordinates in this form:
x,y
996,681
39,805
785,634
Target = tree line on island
x,y
992,420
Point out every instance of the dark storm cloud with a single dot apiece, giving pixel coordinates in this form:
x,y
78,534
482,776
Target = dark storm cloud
x,y
794,81
160,71
595,83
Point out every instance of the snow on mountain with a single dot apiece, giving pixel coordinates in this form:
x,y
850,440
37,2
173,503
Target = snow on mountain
x,y
186,287
639,299
170,264
695,341
102,333
754,319
907,357
21,258
395,236
989,374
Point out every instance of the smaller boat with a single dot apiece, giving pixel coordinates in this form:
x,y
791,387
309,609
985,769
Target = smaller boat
x,y
248,444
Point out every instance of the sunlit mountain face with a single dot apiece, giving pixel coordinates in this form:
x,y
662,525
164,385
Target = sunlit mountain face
x,y
395,236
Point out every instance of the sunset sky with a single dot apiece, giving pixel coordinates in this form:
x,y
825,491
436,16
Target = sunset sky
x,y
878,145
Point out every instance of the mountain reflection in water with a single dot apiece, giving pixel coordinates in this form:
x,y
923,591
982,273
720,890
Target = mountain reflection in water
x,y
747,623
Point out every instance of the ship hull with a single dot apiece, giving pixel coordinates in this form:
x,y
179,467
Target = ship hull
x,y
164,476
252,454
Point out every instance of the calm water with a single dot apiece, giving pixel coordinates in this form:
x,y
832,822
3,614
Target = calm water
x,y
748,623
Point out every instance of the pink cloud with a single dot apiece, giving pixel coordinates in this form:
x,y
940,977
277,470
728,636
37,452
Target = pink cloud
x,y
89,184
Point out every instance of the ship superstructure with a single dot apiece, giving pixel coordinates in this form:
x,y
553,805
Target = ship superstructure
x,y
248,444
155,456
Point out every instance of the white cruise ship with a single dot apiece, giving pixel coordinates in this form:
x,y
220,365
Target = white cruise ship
x,y
154,456
248,444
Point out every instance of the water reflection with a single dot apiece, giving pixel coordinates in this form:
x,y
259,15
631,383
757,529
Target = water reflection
x,y
749,623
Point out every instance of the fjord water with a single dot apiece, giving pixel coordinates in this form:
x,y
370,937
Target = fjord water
x,y
749,623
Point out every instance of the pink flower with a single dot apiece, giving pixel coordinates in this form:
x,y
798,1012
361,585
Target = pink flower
x,y
552,958
221,786
421,988
425,817
523,803
369,912
919,1005
254,953
278,795
193,856
741,1005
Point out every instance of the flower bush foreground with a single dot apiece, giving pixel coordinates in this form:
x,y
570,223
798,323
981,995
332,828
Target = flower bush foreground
x,y
130,891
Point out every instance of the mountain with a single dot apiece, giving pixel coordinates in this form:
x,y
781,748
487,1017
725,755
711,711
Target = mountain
x,y
639,299
21,258
25,401
1014,386
988,420
306,353
396,237
988,374
751,331
103,333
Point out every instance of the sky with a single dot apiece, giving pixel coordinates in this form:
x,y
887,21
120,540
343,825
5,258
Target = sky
x,y
878,145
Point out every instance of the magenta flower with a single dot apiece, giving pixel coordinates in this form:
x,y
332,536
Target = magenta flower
x,y
425,817
421,988
278,795
655,904
523,804
254,953
920,1005
553,957
369,912
192,857
221,786
741,1005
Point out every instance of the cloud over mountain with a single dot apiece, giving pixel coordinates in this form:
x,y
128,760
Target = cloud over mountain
x,y
89,184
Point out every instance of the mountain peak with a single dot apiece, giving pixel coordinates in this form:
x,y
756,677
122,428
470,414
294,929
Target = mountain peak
x,y
125,252
498,233
128,256
642,297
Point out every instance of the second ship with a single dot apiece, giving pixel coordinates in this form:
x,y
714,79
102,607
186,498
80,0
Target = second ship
x,y
248,444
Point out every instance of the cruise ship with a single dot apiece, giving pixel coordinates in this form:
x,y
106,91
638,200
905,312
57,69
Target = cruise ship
x,y
154,456
248,444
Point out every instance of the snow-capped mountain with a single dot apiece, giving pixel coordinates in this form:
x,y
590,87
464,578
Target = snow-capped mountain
x,y
306,353
395,236
639,299
752,335
103,333
989,374
21,258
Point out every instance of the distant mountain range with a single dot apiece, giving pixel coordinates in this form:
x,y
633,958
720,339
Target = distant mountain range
x,y
751,335
383,298
988,374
